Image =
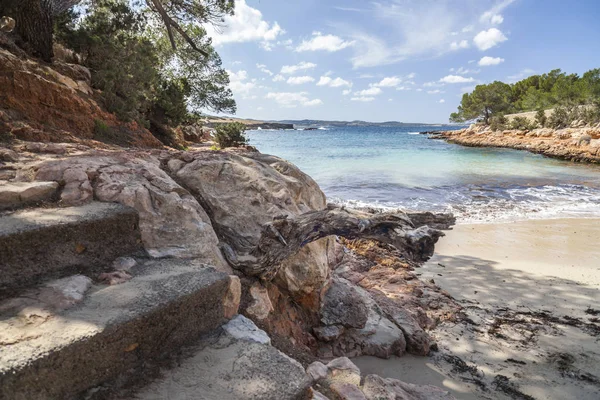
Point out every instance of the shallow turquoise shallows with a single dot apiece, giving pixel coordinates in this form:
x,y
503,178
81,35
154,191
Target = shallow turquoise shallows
x,y
397,167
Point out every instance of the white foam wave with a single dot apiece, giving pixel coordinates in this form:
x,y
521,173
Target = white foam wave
x,y
547,202
413,133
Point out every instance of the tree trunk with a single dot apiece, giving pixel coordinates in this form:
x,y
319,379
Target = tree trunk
x,y
34,26
286,236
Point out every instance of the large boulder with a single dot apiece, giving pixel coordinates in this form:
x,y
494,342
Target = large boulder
x,y
172,222
242,191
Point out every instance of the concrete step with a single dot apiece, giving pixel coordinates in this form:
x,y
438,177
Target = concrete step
x,y
44,243
20,194
60,341
236,363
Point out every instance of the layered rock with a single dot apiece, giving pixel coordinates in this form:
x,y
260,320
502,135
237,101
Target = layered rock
x,y
40,103
580,144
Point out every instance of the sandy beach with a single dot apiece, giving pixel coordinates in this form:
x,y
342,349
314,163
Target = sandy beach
x,y
531,297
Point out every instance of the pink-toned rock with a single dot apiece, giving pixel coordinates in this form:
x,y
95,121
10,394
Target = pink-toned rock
x,y
345,391
231,303
261,304
114,278
317,371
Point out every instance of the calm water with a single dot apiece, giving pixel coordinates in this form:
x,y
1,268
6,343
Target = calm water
x,y
396,167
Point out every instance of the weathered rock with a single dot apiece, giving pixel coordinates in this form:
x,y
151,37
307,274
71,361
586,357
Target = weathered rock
x,y
345,391
15,194
231,303
261,305
317,371
343,370
242,328
328,333
243,191
377,388
227,368
343,305
8,155
172,223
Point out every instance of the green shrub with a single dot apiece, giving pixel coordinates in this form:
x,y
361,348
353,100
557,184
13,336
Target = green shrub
x,y
105,133
498,123
591,114
230,135
559,118
521,123
540,117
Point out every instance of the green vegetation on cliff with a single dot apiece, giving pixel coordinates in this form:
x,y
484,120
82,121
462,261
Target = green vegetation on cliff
x,y
538,92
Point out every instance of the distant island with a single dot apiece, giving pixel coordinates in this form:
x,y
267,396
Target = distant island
x,y
212,121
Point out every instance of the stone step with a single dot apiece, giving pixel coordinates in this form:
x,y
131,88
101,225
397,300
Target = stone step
x,y
20,194
235,363
52,348
44,243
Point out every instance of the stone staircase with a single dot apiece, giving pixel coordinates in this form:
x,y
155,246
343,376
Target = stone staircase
x,y
66,334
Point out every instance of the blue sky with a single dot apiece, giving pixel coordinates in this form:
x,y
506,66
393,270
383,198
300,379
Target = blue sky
x,y
401,60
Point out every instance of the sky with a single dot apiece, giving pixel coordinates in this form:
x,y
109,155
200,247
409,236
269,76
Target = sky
x,y
394,60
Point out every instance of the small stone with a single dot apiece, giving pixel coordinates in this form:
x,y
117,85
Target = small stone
x,y
124,264
261,305
343,370
243,328
114,278
317,371
315,395
63,293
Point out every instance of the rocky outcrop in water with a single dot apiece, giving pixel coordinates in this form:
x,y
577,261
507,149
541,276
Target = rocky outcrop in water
x,y
581,144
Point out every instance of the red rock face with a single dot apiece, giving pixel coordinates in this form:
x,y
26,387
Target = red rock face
x,y
40,104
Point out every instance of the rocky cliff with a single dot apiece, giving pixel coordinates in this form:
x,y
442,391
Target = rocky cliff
x,y
581,144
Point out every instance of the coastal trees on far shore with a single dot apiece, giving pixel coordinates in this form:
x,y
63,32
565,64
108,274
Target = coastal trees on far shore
x,y
484,102
537,92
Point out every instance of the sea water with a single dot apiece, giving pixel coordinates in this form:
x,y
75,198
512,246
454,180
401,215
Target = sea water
x,y
396,167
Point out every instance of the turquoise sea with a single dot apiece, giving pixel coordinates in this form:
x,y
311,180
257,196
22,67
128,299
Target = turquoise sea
x,y
397,167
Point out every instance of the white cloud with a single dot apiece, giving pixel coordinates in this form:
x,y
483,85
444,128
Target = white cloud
x,y
278,78
487,61
391,81
456,79
346,92
463,44
403,88
442,101
363,99
238,84
467,29
247,25
497,19
263,68
292,69
236,62
333,82
465,71
320,42
436,91
485,40
433,84
493,15
299,80
419,90
293,99
372,91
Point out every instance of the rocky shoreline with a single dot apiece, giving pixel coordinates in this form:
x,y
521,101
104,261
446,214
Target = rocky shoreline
x,y
248,217
572,144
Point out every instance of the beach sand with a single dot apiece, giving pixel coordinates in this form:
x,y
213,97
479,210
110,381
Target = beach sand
x,y
530,292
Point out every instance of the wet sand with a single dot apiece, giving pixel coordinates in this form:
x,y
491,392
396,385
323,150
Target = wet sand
x,y
529,291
